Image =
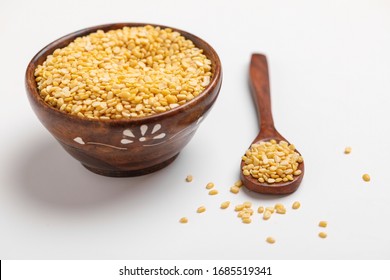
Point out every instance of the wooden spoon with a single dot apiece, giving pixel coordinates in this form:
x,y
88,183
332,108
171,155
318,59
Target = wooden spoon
x,y
261,94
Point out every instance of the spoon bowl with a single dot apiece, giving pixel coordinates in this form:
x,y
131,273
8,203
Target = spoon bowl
x,y
260,89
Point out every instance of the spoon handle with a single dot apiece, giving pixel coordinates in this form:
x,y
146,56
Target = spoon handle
x,y
260,87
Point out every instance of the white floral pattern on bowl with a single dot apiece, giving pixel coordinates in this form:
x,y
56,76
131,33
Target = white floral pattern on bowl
x,y
129,137
155,137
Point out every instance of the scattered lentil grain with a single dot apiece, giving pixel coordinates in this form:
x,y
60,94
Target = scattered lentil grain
x,y
183,220
247,204
201,209
347,150
210,186
189,178
213,192
225,204
323,224
296,205
270,240
238,184
234,189
322,234
267,215
366,177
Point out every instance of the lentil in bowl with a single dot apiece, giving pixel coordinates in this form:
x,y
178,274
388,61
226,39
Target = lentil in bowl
x,y
123,73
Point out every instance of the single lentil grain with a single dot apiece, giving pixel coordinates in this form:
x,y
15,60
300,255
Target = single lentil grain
x,y
347,150
323,224
213,192
238,184
322,234
201,209
210,186
267,215
247,204
183,220
366,177
270,240
244,214
296,205
189,178
234,189
260,210
225,204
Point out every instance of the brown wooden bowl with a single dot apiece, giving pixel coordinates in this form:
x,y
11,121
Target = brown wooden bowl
x,y
121,148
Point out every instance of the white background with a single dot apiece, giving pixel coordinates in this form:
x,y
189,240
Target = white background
x,y
330,83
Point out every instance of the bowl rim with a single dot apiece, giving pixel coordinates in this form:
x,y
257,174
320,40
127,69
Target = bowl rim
x,y
33,92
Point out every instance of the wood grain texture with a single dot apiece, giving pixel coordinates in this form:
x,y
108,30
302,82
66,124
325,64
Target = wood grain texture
x,y
260,88
99,144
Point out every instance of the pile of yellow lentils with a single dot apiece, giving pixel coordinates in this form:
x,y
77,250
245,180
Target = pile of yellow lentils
x,y
124,73
272,162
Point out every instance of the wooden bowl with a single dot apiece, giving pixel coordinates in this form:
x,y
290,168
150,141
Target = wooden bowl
x,y
121,148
